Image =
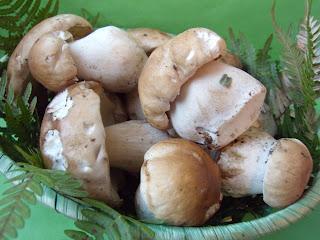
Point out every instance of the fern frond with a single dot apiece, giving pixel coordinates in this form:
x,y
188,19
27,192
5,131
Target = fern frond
x,y
300,119
92,19
101,220
308,40
259,64
19,16
14,204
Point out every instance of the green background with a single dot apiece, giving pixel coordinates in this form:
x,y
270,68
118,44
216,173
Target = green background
x,y
252,17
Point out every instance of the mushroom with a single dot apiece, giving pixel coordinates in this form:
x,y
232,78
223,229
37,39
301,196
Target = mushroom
x,y
256,163
170,66
72,139
127,143
180,184
217,105
148,38
133,105
108,55
18,69
119,112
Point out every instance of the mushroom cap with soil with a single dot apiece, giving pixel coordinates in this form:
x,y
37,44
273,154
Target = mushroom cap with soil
x,y
127,143
180,184
256,163
170,66
217,105
18,69
72,139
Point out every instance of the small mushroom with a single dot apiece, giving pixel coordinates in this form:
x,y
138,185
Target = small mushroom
x,y
108,55
133,105
120,111
170,66
217,105
180,184
72,139
148,38
256,163
127,143
18,69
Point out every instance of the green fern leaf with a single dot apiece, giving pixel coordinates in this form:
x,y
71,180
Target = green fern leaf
x,y
18,17
14,210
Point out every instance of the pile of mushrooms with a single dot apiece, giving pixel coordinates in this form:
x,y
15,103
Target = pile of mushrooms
x,y
155,104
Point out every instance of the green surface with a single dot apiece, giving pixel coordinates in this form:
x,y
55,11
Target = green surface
x,y
251,17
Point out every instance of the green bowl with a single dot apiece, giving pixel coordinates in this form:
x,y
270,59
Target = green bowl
x,y
250,17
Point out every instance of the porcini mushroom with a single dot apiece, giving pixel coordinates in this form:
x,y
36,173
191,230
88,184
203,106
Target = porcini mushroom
x,y
127,143
170,66
133,105
256,163
148,38
108,55
72,139
217,105
180,184
18,69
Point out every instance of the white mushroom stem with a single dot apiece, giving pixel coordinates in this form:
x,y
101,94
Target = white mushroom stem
x,y
217,105
256,163
110,56
127,143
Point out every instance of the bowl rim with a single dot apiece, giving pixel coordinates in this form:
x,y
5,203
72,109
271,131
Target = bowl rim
x,y
244,230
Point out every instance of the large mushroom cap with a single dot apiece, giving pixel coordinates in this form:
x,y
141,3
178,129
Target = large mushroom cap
x,y
18,69
217,104
180,184
148,38
243,163
72,138
170,66
110,56
287,173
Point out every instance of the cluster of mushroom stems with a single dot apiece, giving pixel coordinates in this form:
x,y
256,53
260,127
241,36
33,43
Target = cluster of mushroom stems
x,y
149,102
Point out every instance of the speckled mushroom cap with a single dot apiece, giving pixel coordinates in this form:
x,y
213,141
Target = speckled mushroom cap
x,y
287,174
243,163
180,184
18,69
72,139
148,38
110,56
170,66
218,104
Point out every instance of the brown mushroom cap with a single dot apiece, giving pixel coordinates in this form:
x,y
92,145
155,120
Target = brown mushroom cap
x,y
287,174
127,143
18,69
72,138
170,66
180,184
51,63
148,38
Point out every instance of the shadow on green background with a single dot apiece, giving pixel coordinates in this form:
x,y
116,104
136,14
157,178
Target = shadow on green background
x,y
252,17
